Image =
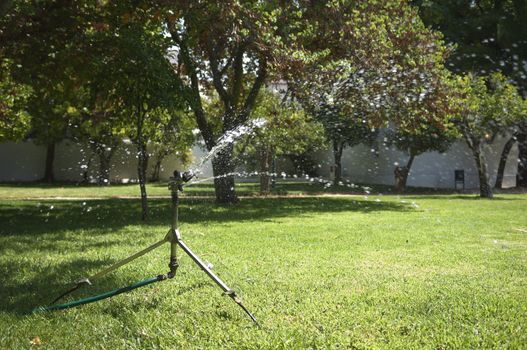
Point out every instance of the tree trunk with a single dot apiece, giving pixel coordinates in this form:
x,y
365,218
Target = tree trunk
x,y
485,190
142,165
156,173
104,168
338,147
503,161
401,175
265,166
49,175
105,157
86,172
521,175
230,91
223,169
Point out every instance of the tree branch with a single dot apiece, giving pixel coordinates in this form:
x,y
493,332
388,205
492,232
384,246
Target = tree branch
x,y
237,79
253,94
195,105
217,80
223,70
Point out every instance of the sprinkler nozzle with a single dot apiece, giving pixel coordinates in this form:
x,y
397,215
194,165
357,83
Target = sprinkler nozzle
x,y
183,176
176,182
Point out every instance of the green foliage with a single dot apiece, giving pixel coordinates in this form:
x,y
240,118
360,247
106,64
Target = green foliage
x,y
93,58
287,129
135,78
488,106
344,128
381,64
44,40
233,47
223,47
427,139
174,137
489,35
14,118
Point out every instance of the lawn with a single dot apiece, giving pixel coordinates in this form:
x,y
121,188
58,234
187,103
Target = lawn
x,y
282,187
43,190
434,271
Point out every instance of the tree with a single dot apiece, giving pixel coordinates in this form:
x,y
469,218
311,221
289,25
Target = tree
x,y
227,46
503,162
132,88
125,83
102,130
305,163
48,107
43,41
488,106
287,130
380,64
173,137
490,37
145,87
427,139
343,129
115,52
14,118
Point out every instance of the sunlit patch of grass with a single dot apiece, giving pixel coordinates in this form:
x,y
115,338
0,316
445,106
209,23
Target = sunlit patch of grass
x,y
249,188
327,272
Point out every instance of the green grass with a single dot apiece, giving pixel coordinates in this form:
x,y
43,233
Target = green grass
x,y
283,187
44,190
433,272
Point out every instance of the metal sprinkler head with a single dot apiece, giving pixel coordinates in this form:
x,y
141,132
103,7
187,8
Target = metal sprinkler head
x,y
176,182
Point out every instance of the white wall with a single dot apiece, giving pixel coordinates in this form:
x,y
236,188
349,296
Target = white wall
x,y
21,161
363,164
24,161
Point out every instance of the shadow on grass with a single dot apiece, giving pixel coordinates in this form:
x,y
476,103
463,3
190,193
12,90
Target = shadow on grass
x,y
31,218
49,226
21,294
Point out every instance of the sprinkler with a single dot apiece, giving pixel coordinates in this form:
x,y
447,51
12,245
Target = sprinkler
x,y
173,237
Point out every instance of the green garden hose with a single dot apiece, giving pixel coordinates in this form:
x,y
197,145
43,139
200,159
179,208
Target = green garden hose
x,y
99,296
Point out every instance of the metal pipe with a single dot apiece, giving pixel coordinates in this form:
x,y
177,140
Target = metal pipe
x,y
202,265
231,293
127,260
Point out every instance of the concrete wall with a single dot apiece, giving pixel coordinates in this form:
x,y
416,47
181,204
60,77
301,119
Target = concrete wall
x,y
24,161
363,164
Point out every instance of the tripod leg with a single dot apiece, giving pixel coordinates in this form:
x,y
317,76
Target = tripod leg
x,y
215,278
127,260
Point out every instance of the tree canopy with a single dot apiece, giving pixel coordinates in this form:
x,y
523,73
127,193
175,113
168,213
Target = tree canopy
x,y
488,36
488,106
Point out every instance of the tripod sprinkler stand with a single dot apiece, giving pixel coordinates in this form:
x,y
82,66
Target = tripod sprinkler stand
x,y
174,238
176,186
